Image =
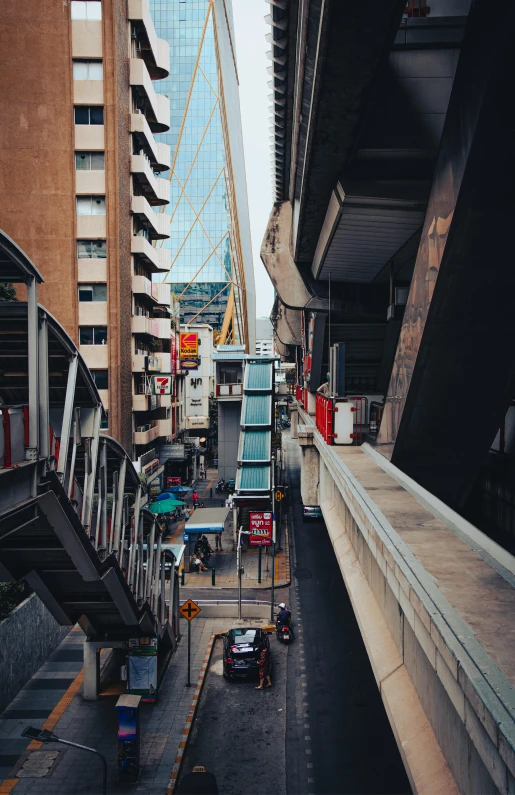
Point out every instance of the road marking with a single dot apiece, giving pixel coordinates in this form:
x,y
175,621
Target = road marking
x,y
8,785
304,684
307,738
311,780
309,765
306,725
308,751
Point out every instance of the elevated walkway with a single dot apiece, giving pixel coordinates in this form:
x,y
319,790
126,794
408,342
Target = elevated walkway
x,y
73,521
254,450
434,599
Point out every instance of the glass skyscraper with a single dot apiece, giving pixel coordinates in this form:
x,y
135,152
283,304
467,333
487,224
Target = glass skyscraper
x,y
211,255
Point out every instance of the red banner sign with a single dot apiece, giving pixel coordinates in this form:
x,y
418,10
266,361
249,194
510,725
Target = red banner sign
x,y
260,529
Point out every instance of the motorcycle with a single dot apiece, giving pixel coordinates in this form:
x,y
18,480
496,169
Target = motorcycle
x,y
283,631
220,486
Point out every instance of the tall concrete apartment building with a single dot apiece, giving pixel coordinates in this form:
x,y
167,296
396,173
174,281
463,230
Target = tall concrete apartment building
x,y
211,252
82,190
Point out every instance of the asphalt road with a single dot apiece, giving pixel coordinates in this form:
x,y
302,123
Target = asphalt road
x,y
338,738
322,728
239,732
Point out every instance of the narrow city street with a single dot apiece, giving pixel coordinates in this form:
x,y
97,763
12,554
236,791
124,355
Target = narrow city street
x,y
322,728
338,738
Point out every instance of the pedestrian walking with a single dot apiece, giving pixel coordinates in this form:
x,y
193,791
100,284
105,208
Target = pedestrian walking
x,y
264,669
194,496
218,542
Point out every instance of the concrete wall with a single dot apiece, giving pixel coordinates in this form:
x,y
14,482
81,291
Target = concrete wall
x,y
229,414
27,637
447,721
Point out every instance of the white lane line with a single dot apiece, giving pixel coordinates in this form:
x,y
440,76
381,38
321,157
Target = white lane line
x,y
307,738
309,765
306,725
308,751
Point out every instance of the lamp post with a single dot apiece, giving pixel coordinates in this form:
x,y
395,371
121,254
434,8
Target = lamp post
x,y
241,533
45,736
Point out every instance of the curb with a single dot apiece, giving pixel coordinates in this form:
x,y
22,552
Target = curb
x,y
176,769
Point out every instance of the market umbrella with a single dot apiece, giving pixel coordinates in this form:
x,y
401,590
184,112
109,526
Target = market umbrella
x,y
163,496
164,506
179,490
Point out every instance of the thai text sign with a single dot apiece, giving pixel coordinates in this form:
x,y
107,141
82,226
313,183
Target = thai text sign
x,y
260,529
188,345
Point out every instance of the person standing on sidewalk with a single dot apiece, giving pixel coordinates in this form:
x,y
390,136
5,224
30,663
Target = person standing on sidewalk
x,y
194,496
218,542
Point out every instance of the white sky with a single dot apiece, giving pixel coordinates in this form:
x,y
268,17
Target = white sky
x,y
251,47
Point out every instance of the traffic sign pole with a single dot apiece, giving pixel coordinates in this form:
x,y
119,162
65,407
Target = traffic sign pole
x,y
188,683
189,610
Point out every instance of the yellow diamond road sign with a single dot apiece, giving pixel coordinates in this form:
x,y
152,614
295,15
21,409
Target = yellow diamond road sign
x,y
189,610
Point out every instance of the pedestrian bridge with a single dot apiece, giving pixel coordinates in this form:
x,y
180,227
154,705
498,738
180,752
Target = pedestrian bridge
x,y
435,600
73,521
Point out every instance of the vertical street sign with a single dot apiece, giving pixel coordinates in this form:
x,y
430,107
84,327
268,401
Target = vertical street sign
x,y
260,528
189,610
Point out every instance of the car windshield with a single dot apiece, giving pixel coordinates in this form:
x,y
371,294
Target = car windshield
x,y
244,637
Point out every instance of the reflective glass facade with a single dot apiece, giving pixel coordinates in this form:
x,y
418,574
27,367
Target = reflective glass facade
x,y
203,243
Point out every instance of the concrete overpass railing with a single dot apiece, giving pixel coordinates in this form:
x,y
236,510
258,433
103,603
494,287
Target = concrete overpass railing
x,y
435,608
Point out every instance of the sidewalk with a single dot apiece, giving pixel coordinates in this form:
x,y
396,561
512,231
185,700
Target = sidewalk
x,y
226,575
53,699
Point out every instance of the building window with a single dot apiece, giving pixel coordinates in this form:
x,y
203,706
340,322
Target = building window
x,y
86,9
89,114
89,161
91,205
100,377
91,249
88,70
92,292
93,335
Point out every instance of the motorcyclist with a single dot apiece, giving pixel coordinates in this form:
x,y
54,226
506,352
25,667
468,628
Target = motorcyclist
x,y
284,618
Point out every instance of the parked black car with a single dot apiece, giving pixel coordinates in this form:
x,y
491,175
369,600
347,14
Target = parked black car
x,y
242,647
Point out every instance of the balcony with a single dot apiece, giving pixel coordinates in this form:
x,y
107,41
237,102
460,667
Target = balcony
x,y
158,152
142,362
159,222
229,390
165,427
147,435
165,362
140,402
157,105
160,293
157,258
155,189
154,327
155,50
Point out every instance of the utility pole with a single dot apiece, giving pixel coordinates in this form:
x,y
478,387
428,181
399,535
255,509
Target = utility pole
x,y
238,563
272,593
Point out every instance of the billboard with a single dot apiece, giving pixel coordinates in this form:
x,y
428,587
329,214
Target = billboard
x,y
260,529
188,345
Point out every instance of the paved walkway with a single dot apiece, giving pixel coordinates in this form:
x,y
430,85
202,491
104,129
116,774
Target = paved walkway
x,y
226,574
53,699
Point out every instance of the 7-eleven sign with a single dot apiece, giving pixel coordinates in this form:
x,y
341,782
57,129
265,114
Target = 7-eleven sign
x,y
162,384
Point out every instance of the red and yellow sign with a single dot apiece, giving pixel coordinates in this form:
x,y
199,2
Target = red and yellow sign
x,y
188,345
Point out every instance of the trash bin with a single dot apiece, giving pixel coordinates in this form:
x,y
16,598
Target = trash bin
x,y
127,708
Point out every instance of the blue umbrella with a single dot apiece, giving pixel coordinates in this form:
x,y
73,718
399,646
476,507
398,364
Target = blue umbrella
x,y
179,490
163,496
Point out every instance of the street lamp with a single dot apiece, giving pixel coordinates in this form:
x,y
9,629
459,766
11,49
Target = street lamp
x,y
241,533
45,736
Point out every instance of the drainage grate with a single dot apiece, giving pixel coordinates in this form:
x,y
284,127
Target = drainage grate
x,y
38,764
